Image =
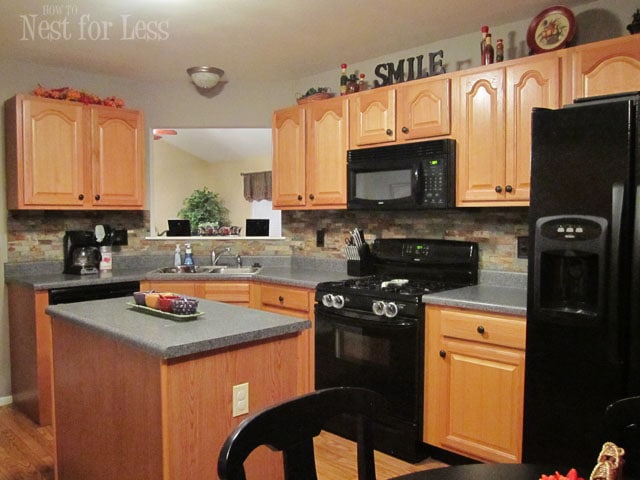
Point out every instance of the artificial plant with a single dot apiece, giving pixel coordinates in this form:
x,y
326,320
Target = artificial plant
x,y
204,207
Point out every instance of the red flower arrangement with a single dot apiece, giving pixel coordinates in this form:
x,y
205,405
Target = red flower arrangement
x,y
73,95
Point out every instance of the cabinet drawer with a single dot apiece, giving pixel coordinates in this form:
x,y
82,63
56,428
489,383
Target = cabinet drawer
x,y
490,328
228,292
284,297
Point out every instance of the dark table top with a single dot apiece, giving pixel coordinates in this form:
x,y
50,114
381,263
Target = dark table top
x,y
489,471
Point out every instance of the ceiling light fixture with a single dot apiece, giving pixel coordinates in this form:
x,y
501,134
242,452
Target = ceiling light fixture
x,y
205,77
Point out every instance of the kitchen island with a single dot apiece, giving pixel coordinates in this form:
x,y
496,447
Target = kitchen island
x,y
139,396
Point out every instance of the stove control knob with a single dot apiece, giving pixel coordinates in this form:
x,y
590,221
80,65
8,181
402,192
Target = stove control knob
x,y
378,307
338,301
327,300
391,309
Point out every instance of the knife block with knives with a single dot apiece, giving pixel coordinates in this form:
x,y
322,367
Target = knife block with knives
x,y
363,265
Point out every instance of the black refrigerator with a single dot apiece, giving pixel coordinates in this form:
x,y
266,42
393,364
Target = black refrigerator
x,y
583,297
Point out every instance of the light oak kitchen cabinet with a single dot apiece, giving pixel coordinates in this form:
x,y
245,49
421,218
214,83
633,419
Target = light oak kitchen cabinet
x,y
492,112
408,111
474,383
493,128
297,302
30,349
69,156
310,145
602,68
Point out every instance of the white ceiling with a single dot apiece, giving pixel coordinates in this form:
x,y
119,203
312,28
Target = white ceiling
x,y
265,39
222,144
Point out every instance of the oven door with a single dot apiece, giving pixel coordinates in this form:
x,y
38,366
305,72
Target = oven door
x,y
364,350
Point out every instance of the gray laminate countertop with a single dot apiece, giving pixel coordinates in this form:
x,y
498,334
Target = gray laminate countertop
x,y
500,292
301,274
220,326
490,298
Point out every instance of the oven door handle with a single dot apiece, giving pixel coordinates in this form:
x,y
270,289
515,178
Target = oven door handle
x,y
369,322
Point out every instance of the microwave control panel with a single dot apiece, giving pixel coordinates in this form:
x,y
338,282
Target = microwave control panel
x,y
436,182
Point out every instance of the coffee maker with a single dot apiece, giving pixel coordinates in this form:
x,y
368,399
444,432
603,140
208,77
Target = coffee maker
x,y
81,252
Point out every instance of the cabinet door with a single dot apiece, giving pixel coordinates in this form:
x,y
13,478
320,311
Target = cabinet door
x,y
481,137
483,399
603,68
424,108
117,158
533,83
326,159
373,117
289,158
51,170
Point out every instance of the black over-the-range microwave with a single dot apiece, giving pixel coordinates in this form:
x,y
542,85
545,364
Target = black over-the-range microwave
x,y
411,176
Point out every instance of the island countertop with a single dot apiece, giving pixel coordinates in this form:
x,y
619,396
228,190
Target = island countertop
x,y
220,326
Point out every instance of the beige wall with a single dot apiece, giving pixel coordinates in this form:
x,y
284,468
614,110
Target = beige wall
x,y
250,102
595,21
178,173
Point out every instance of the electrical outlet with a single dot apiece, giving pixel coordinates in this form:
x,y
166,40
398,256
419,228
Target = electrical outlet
x,y
320,237
523,247
240,399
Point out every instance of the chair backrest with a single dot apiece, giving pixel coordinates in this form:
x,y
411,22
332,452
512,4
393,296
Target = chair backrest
x,y
290,427
622,420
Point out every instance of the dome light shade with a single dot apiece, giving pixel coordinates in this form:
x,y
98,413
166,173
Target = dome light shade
x,y
205,77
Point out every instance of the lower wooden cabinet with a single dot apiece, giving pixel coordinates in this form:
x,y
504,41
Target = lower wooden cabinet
x,y
270,297
297,302
474,383
30,348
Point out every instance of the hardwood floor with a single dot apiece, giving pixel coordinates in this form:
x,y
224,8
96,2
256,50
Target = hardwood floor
x,y
26,450
26,453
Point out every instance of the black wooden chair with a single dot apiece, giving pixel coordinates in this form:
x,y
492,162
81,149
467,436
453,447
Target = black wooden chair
x,y
622,423
290,427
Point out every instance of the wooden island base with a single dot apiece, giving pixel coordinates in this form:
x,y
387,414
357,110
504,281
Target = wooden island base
x,y
122,413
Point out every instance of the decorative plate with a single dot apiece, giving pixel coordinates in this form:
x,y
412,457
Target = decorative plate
x,y
160,313
552,29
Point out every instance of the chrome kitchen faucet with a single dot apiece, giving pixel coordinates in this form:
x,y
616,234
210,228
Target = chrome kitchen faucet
x,y
215,256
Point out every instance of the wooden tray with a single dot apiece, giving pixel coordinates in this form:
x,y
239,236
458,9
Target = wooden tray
x,y
159,313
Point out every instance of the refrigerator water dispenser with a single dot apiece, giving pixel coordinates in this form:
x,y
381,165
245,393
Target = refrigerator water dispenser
x,y
569,272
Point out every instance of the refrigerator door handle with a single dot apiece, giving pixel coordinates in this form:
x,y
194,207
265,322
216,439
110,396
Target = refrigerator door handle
x,y
633,375
613,329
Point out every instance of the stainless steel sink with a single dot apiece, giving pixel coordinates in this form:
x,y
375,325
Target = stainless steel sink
x,y
224,270
184,269
218,269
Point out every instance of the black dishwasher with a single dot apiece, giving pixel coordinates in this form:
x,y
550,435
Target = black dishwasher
x,y
92,292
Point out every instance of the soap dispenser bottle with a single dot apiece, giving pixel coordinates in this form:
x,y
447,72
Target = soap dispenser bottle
x,y
177,256
188,258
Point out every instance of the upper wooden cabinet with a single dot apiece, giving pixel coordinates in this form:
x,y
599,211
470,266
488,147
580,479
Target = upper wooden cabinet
x,y
404,112
487,110
117,158
68,156
493,128
310,145
602,68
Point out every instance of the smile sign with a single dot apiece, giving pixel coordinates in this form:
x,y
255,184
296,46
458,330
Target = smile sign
x,y
388,73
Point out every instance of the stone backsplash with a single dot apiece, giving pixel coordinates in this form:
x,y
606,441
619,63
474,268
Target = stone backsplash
x,y
495,230
37,235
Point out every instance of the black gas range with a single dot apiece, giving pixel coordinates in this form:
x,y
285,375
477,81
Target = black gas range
x,y
370,331
405,270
